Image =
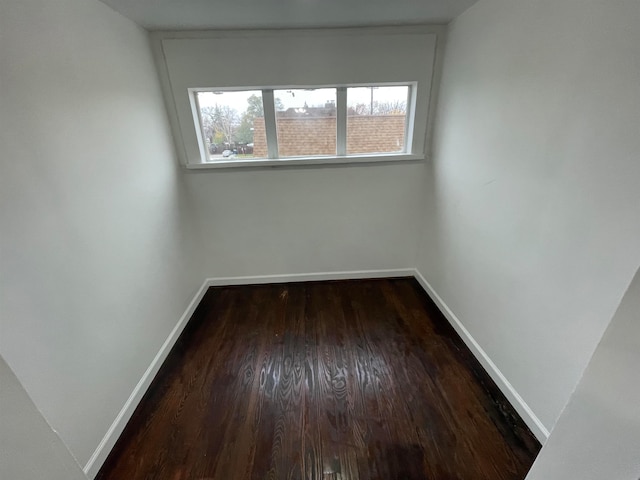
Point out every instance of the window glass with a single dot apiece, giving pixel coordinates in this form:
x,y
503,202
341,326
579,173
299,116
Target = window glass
x,y
376,119
232,124
306,122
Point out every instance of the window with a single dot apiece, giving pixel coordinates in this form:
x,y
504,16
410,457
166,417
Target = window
x,y
380,79
228,124
376,119
302,122
306,122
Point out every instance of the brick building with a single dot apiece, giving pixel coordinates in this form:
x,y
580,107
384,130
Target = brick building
x,y
316,135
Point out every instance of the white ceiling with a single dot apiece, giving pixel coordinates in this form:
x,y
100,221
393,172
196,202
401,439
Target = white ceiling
x,y
206,14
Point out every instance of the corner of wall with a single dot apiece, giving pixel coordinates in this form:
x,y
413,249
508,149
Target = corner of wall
x,y
530,418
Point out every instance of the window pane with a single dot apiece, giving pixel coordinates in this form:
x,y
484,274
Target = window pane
x,y
306,121
376,119
233,125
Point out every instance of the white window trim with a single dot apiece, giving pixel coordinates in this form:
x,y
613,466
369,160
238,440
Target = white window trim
x,y
292,161
341,121
184,60
270,120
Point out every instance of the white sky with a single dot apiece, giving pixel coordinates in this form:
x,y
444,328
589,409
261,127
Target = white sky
x,y
316,97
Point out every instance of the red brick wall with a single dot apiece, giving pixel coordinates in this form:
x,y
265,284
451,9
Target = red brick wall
x,y
259,138
317,136
376,134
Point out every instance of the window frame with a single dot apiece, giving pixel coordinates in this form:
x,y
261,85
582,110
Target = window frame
x,y
270,118
340,56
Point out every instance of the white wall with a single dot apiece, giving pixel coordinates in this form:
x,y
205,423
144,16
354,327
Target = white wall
x,y
29,448
302,220
531,207
285,221
598,434
95,253
280,58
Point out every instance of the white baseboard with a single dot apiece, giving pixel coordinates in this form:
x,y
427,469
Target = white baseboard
x,y
310,277
530,418
108,441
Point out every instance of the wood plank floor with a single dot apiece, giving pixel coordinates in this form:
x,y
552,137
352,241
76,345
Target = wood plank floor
x,y
339,380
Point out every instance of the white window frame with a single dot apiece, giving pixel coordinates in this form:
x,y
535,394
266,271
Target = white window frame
x,y
273,158
200,60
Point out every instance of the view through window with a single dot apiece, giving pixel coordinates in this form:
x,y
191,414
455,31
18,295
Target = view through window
x,y
304,122
376,119
227,120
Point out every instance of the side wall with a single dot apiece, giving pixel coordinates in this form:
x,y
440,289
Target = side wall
x,y
96,261
598,434
531,221
29,448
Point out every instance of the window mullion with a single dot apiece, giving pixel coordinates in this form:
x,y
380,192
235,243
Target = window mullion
x,y
270,123
202,138
341,121
409,122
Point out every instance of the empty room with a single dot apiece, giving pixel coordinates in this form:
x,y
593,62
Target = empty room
x,y
330,239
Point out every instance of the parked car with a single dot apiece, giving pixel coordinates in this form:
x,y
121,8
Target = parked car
x,y
227,153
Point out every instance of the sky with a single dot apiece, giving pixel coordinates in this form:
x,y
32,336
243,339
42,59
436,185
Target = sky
x,y
296,98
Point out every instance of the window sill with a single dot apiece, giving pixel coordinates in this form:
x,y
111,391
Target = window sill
x,y
305,161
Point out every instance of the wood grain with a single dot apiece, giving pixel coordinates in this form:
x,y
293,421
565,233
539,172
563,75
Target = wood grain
x,y
342,380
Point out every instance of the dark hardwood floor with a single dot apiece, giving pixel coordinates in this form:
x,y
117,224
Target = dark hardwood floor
x,y
339,380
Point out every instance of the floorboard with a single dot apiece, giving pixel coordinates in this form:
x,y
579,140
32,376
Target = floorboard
x,y
344,380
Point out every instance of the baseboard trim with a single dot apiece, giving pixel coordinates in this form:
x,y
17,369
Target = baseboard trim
x,y
109,440
310,277
530,418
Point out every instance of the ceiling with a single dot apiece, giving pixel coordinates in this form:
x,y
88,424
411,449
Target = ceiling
x,y
209,14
